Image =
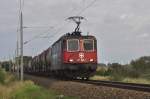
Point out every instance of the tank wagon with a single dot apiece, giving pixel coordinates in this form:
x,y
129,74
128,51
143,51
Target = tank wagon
x,y
72,55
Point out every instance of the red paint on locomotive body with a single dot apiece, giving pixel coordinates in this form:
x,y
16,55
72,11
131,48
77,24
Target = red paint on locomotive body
x,y
80,57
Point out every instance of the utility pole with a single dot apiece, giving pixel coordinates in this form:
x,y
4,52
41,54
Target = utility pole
x,y
21,41
17,58
21,45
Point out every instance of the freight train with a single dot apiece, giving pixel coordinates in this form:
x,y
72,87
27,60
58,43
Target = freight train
x,y
72,55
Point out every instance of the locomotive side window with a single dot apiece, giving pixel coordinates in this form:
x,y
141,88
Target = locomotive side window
x,y
88,44
73,45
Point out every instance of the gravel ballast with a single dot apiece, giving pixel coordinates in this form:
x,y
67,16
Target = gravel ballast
x,y
88,91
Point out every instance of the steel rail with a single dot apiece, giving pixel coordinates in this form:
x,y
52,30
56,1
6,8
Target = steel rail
x,y
113,84
130,86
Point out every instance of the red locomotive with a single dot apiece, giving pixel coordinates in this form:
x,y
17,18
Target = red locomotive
x,y
73,55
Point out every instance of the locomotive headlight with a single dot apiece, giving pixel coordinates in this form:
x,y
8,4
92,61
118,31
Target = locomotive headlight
x,y
70,60
91,60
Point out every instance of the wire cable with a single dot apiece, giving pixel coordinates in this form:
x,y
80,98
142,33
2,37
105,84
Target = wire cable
x,y
39,35
88,6
47,31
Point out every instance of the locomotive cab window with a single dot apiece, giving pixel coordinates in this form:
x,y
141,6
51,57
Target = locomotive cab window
x,y
73,45
88,44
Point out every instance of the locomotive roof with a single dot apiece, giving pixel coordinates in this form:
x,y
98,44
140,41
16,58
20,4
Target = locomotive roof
x,y
66,36
74,37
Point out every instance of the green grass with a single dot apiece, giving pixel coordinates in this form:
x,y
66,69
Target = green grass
x,y
121,79
35,92
96,77
10,88
122,74
31,91
28,90
2,76
5,77
136,80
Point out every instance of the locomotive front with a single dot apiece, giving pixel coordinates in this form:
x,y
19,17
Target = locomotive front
x,y
80,55
80,50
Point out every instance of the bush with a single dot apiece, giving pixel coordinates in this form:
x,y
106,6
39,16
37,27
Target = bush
x,y
102,71
5,77
2,76
116,77
137,69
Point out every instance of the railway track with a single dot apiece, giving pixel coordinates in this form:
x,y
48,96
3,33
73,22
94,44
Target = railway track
x,y
87,89
130,86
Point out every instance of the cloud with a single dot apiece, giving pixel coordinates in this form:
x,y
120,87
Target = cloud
x,y
143,35
120,26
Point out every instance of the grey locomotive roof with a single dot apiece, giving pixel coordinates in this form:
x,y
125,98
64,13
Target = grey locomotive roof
x,y
66,36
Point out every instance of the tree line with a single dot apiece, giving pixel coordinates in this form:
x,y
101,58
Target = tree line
x,y
139,68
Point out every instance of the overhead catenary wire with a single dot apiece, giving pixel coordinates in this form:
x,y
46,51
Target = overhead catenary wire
x,y
61,24
36,36
88,6
46,32
32,27
54,34
84,9
39,35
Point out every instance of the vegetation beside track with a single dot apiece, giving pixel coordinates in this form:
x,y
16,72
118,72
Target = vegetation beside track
x,y
11,88
5,77
138,71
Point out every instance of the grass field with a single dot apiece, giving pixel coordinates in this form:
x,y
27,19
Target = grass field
x,y
10,88
28,90
103,73
127,79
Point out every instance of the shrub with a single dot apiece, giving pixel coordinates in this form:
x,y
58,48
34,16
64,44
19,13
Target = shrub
x,y
116,77
5,77
102,71
2,76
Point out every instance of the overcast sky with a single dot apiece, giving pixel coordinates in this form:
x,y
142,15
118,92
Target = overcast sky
x,y
122,27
